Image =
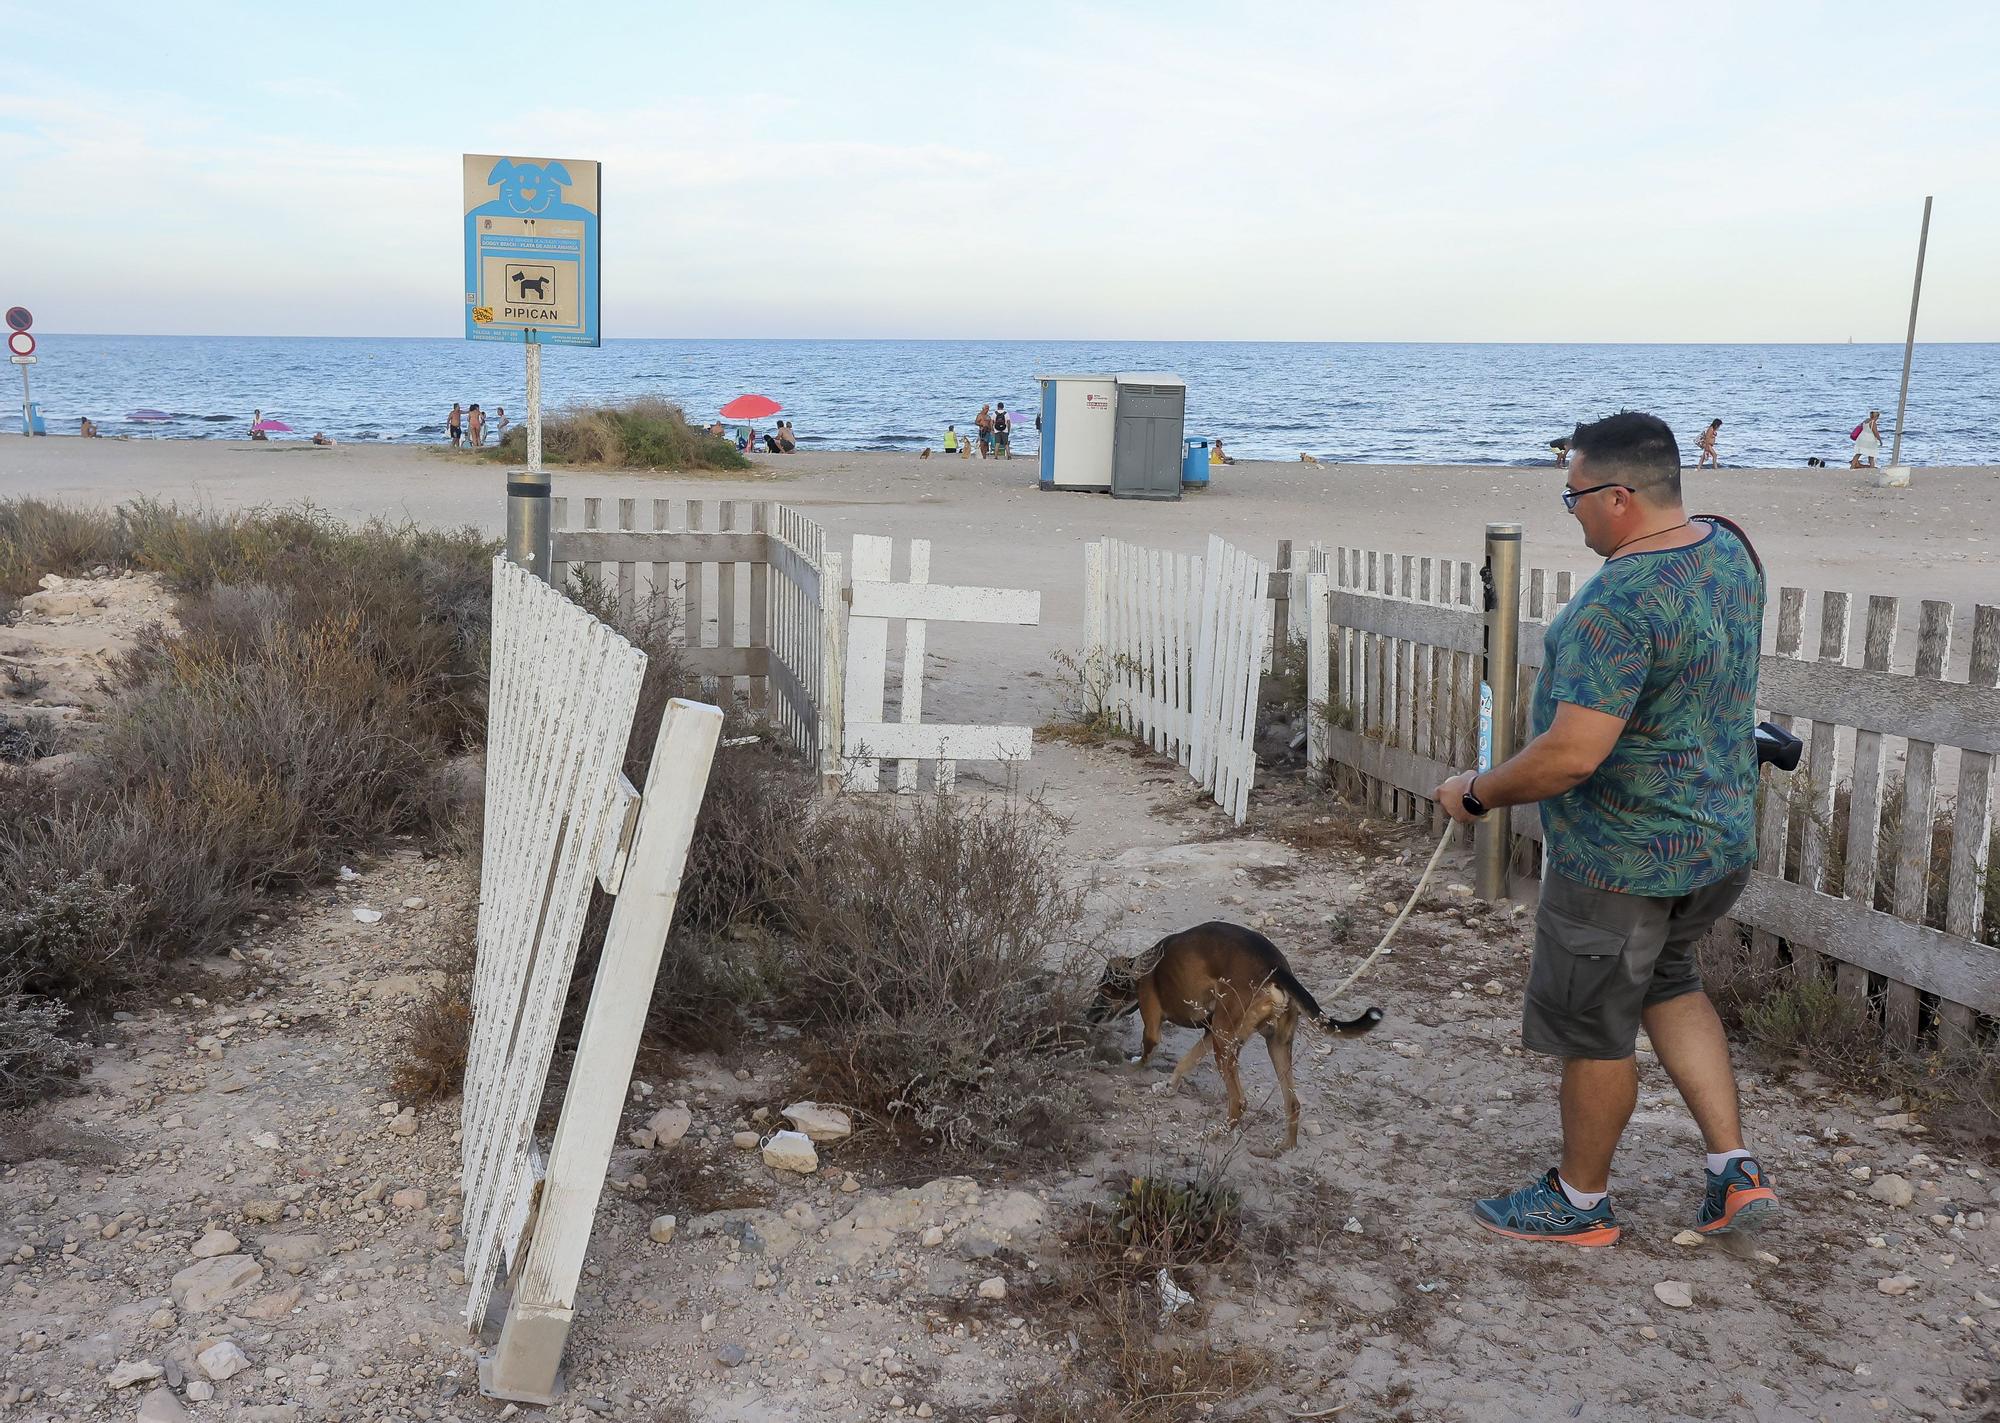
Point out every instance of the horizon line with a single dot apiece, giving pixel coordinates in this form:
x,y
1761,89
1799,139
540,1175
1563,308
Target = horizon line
x,y
1008,340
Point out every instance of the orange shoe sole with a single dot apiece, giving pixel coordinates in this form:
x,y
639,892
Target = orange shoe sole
x,y
1760,1201
1603,1235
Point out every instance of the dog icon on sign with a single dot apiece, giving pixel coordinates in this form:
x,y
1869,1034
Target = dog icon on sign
x,y
531,282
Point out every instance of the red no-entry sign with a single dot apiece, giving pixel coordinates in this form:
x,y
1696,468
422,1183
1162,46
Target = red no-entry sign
x,y
20,343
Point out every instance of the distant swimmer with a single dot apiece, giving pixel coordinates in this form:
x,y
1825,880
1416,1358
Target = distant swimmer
x,y
453,424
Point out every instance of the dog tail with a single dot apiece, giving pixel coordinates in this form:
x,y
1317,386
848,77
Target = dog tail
x,y
1340,1028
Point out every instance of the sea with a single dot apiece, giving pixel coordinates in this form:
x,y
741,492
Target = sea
x,y
1490,404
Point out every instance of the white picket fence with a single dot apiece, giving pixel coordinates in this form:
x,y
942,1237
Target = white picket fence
x,y
877,599
560,815
1176,646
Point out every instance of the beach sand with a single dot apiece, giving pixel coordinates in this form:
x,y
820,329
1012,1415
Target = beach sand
x,y
990,523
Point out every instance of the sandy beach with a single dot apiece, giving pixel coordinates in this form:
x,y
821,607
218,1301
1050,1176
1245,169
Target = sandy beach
x,y
990,523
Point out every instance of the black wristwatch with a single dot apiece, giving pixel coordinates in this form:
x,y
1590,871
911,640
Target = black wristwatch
x,y
1474,806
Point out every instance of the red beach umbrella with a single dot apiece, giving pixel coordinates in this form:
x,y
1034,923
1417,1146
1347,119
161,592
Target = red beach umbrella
x,y
750,407
273,427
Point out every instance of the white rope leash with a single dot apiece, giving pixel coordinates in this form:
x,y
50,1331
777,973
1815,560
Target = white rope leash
x,y
1390,933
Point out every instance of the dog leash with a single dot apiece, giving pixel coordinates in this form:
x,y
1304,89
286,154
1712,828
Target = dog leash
x,y
1390,933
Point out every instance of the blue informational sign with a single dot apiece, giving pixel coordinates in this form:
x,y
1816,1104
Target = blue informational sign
x,y
1485,726
531,249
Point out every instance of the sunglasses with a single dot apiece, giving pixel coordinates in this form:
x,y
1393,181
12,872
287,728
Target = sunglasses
x,y
1570,496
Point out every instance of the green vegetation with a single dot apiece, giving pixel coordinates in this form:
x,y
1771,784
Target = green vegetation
x,y
640,434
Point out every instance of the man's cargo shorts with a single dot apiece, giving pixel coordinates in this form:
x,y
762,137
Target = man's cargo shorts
x,y
1602,958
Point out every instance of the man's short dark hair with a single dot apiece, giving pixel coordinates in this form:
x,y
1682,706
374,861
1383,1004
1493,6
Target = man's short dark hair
x,y
1635,448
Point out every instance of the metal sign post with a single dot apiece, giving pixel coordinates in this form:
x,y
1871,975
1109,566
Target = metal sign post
x,y
1910,341
1492,840
21,351
531,275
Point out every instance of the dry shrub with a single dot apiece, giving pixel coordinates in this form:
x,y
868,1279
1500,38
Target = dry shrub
x,y
35,1059
640,434
323,676
1130,1370
438,1030
28,738
935,956
37,537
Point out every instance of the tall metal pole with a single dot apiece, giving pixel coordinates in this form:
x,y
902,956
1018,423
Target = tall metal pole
x,y
1492,840
1910,341
27,406
528,489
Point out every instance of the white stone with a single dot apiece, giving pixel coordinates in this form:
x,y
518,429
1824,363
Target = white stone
x,y
403,1124
820,1123
208,1283
200,1390
1676,1294
1892,1190
266,1141
993,1288
413,903
662,1229
1687,1237
410,1198
934,1236
133,1371
160,1406
223,1361
365,915
669,1125
216,1242
791,1151
1896,1285
744,1141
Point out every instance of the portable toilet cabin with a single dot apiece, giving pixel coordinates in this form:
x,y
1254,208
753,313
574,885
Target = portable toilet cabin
x,y
1118,434
1146,449
1077,427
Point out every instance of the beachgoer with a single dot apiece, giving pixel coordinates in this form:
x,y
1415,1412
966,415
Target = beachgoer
x,y
1707,443
1217,455
87,428
985,424
1561,446
1867,438
951,439
787,441
1645,770
256,419
475,427
322,438
501,423
452,423
1003,433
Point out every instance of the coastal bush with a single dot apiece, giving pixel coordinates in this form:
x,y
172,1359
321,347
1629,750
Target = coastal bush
x,y
322,681
640,434
935,959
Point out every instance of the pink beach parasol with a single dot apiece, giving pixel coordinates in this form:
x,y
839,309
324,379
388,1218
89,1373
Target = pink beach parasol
x,y
273,427
750,407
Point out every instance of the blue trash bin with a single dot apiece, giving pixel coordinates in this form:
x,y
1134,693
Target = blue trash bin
x,y
33,419
1194,463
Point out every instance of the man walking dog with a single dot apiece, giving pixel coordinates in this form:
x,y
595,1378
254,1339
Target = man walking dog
x,y
1645,768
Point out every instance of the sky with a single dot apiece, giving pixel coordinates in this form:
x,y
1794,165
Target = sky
x,y
1322,171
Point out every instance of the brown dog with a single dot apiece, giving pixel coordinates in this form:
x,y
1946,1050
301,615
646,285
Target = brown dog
x,y
1231,982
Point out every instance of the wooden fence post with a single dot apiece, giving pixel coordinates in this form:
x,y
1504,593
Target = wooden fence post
x,y
1913,840
1972,827
1319,678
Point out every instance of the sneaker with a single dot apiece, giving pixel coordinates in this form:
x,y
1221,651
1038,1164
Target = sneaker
x,y
1737,1199
1540,1211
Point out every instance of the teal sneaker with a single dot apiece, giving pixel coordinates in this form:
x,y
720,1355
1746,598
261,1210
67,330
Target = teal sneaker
x,y
1540,1211
1737,1199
